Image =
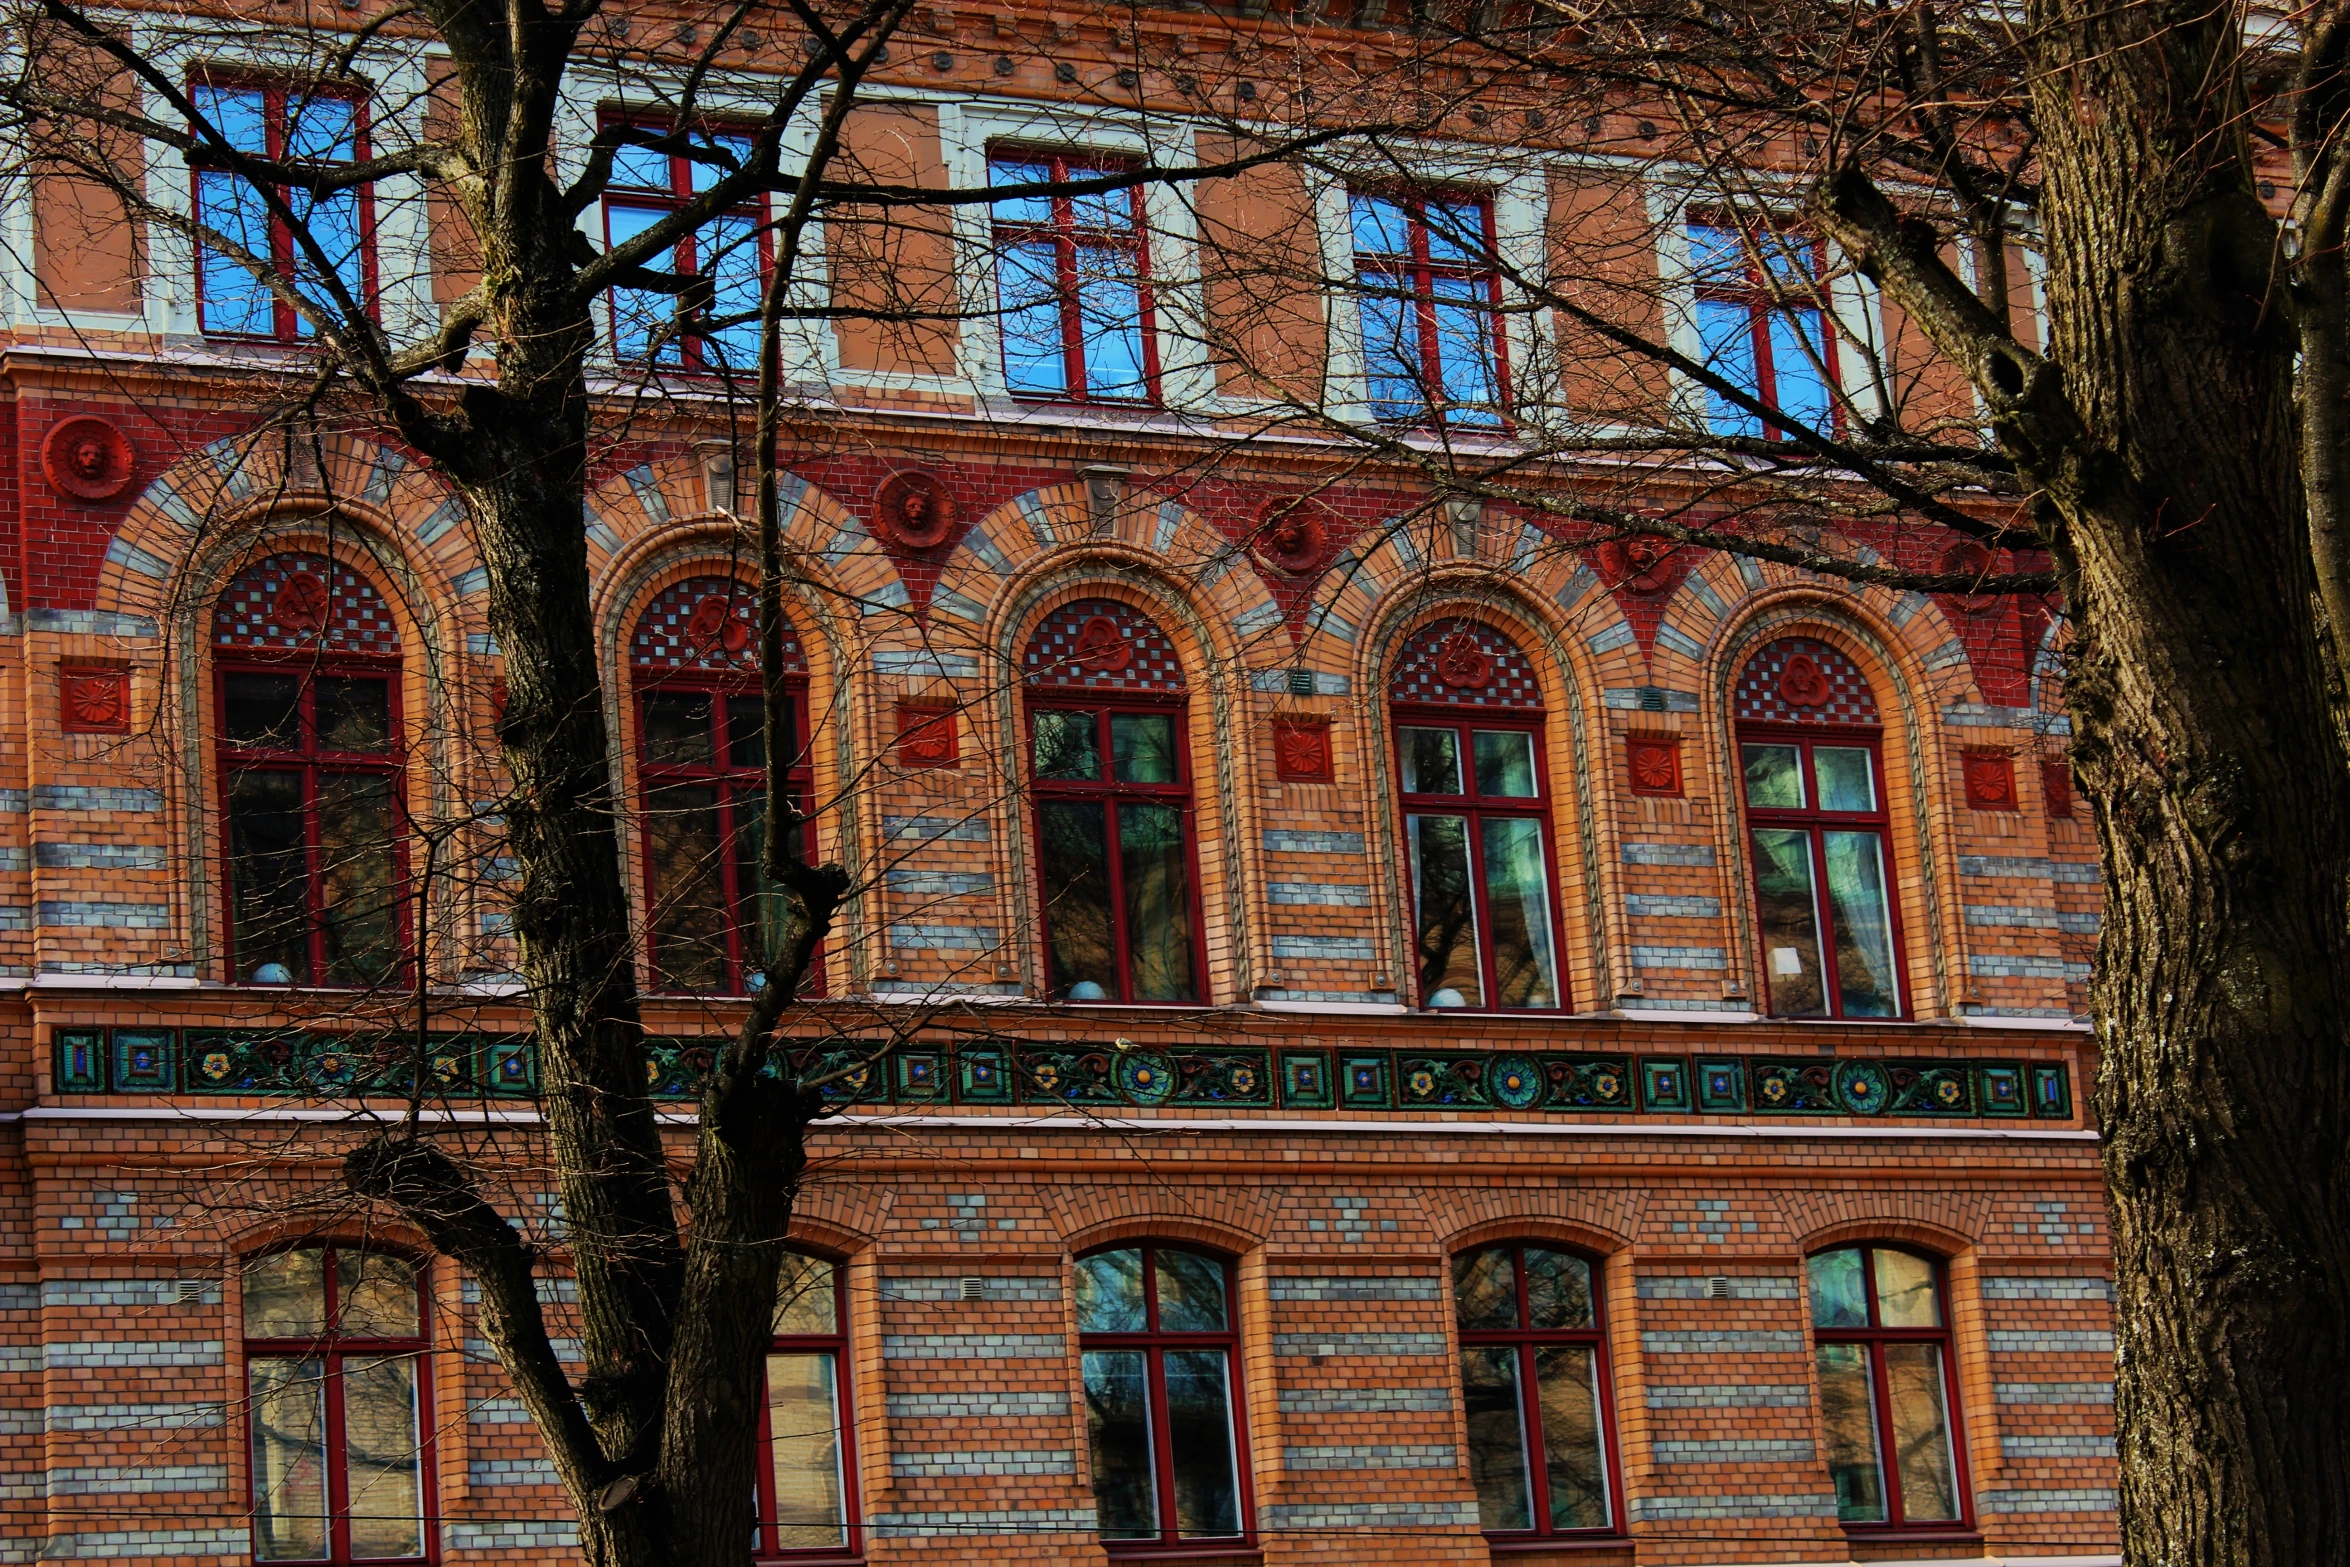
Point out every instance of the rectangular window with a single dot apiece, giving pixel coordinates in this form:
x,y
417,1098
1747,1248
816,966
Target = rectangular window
x,y
1821,880
1473,809
1533,1382
806,1490
1882,1348
320,236
1073,284
1113,847
1430,298
710,322
1761,319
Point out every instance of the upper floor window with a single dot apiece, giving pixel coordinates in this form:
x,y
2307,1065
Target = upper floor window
x,y
807,1487
336,1380
702,762
1074,286
1760,318
1113,806
1468,739
1811,748
285,125
710,322
1881,1335
1156,1340
308,664
1430,299
1534,1380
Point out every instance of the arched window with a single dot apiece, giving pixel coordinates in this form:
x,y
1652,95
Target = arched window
x,y
1113,806
1888,1390
1159,1352
1812,751
336,1377
808,1486
702,764
1476,801
1534,1382
308,668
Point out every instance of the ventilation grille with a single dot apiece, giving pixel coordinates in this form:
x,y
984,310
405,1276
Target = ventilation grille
x,y
971,1289
1717,1288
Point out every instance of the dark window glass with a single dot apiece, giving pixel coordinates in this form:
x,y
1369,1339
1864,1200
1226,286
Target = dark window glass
x,y
1822,877
1534,1389
337,1384
1114,853
1888,1391
1474,815
1159,1360
807,1486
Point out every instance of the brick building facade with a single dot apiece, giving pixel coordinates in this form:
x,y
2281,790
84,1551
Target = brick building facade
x,y
1635,1164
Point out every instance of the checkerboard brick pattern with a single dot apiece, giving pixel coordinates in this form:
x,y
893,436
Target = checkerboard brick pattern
x,y
709,624
1079,645
1764,686
275,605
1464,663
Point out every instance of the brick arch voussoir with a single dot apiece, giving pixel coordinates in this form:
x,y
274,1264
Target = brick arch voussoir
x,y
1232,1220
1947,1223
838,1218
1599,1220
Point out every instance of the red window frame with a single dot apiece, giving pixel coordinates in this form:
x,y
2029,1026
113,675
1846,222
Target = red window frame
x,y
330,1349
1417,274
1816,821
836,1344
282,255
1155,1341
732,783
1536,807
1065,234
692,347
313,763
1526,1340
1874,1336
1108,790
1754,295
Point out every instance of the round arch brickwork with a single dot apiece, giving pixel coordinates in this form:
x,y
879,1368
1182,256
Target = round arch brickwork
x,y
295,602
1801,680
1464,663
709,625
1096,644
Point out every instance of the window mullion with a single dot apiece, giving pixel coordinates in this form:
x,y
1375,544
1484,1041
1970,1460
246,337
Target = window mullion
x,y
338,1479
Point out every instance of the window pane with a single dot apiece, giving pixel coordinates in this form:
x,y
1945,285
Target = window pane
x,y
1068,745
289,1460
1906,1297
1558,1289
1109,1292
1109,321
640,167
234,299
1566,1380
1838,1298
1505,763
746,731
689,894
677,728
1392,370
1464,351
1073,855
1864,931
333,222
1726,330
1847,783
1774,777
727,252
805,1301
643,320
268,877
382,1461
1381,227
1717,255
240,114
376,1295
1021,209
735,154
1790,921
1431,761
325,130
1800,389
1117,1426
262,711
285,1294
1191,1293
1456,230
1446,911
1848,1414
1497,1437
1028,291
1517,887
1199,1431
1921,1432
1485,1289
804,1448
1156,867
1142,748
354,715
358,878
1110,211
